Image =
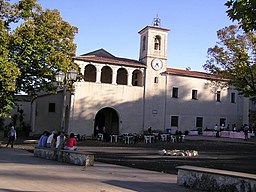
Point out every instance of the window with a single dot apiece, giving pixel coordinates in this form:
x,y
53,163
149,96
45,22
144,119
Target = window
x,y
156,80
194,94
175,92
51,107
144,43
233,98
199,121
218,96
174,121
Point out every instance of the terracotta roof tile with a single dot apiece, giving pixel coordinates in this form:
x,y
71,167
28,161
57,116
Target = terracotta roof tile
x,y
115,60
196,74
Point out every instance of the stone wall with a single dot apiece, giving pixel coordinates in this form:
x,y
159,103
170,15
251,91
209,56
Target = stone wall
x,y
215,180
72,157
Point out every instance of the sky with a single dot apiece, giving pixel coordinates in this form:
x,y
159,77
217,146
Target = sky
x,y
114,25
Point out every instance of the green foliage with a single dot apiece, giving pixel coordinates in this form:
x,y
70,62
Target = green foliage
x,y
233,58
34,44
243,11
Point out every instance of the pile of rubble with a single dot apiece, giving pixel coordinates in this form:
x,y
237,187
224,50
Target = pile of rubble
x,y
178,152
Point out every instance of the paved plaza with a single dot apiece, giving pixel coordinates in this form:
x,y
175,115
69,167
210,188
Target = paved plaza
x,y
116,166
20,171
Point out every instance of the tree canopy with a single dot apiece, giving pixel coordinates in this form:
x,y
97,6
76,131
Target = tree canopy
x,y
234,58
34,44
243,11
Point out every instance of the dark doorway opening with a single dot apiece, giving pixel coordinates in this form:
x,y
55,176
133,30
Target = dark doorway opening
x,y
106,122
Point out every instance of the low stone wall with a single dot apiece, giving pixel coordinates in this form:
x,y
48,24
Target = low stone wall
x,y
215,180
67,156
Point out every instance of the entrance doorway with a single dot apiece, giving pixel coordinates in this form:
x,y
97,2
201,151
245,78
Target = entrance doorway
x,y
107,121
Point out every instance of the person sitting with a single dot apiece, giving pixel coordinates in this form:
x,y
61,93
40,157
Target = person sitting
x,y
60,141
51,141
43,139
71,143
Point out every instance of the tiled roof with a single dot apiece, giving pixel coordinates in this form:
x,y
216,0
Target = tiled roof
x,y
188,73
114,60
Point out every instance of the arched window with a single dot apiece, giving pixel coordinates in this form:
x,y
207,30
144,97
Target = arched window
x,y
157,42
137,78
90,73
144,43
121,78
156,80
106,75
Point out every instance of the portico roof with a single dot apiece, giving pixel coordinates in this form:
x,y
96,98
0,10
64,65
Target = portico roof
x,y
102,56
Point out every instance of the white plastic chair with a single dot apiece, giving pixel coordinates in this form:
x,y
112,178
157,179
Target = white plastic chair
x,y
173,138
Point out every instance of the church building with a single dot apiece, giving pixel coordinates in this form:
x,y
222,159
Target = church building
x,y
128,96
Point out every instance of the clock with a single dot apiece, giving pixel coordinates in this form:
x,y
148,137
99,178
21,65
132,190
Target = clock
x,y
157,64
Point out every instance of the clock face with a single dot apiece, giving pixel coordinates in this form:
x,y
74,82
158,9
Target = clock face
x,y
157,64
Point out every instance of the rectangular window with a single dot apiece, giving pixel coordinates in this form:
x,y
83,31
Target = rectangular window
x,y
233,98
174,121
51,107
175,92
194,94
218,96
199,121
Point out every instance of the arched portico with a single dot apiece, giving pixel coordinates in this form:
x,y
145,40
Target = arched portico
x,y
107,118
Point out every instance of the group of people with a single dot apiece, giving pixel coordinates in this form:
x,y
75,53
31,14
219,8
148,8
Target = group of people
x,y
58,140
245,128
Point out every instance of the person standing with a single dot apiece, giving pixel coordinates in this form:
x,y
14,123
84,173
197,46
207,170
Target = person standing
x,y
12,136
246,130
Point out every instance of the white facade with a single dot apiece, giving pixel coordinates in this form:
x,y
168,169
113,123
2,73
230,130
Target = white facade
x,y
129,96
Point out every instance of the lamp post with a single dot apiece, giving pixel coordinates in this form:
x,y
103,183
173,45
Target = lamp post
x,y
62,77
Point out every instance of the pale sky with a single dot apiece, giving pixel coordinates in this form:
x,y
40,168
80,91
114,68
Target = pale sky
x,y
114,25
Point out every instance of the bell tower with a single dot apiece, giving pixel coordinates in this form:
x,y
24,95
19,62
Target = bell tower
x,y
153,53
153,42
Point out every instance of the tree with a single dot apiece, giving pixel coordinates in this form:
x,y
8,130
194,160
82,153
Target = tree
x,y
243,11
8,70
34,44
233,58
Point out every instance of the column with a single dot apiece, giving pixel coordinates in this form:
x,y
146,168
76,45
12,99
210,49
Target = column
x,y
129,77
98,74
114,75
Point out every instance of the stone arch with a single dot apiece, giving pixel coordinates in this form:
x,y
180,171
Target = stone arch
x,y
137,78
107,118
106,75
122,76
90,73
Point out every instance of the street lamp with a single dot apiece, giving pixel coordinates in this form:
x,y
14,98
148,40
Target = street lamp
x,y
62,77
